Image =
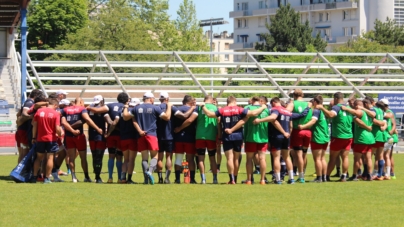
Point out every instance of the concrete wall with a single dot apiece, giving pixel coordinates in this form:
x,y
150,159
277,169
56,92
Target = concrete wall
x,y
3,43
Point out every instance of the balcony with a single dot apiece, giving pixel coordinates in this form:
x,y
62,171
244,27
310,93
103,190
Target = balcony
x,y
240,13
243,46
333,6
263,12
344,39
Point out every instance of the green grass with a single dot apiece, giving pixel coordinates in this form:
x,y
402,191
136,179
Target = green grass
x,y
85,204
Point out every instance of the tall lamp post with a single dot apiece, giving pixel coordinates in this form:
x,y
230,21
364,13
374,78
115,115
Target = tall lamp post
x,y
211,22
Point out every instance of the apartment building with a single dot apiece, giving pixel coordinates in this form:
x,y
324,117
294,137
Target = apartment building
x,y
221,43
337,21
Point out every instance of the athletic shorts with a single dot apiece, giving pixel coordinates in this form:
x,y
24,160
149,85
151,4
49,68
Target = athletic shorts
x,y
21,138
59,141
98,145
362,148
235,145
47,147
78,142
388,146
300,138
316,146
147,143
254,147
340,144
188,148
279,144
113,142
166,146
378,145
202,144
129,144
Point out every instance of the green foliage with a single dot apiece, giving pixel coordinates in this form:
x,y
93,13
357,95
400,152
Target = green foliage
x,y
50,22
387,33
287,32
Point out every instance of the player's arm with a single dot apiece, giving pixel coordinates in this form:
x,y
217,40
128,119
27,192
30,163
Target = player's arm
x,y
167,115
308,125
361,124
186,123
302,114
279,127
290,105
219,129
371,114
138,128
239,124
393,125
69,128
327,113
40,104
353,112
208,112
270,118
34,130
91,123
126,114
98,110
379,123
256,112
183,116
77,124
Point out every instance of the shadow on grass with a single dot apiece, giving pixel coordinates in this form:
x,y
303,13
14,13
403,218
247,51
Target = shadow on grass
x,y
6,178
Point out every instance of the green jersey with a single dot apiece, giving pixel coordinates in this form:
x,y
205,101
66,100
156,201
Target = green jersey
x,y
299,107
390,126
206,127
362,136
341,125
320,133
376,130
256,133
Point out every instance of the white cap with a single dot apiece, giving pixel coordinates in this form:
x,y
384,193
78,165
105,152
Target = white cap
x,y
97,99
164,95
385,101
64,102
148,95
134,102
61,92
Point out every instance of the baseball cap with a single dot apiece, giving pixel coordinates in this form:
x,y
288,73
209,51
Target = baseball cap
x,y
164,95
148,95
134,102
61,92
97,99
64,102
385,101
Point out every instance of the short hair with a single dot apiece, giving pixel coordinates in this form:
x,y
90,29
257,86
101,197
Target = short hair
x,y
371,100
123,97
338,95
187,99
208,97
53,96
231,99
298,93
365,101
318,99
358,101
283,103
381,105
264,98
275,100
255,99
53,101
34,93
40,98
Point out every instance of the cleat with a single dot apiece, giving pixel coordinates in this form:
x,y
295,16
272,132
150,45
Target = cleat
x,y
110,181
99,181
231,182
47,181
248,182
123,182
342,179
74,180
353,179
215,182
58,180
317,181
119,181
177,182
301,180
336,175
203,182
387,178
193,182
295,174
131,182
160,180
151,178
393,177
32,180
277,182
146,181
167,181
291,181
263,182
87,180
256,172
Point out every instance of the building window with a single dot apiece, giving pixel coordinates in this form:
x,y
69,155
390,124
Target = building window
x,y
262,5
238,38
320,17
245,23
327,17
244,6
238,6
238,23
349,31
345,15
227,46
353,14
226,57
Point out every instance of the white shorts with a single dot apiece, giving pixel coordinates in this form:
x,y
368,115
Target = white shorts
x,y
388,145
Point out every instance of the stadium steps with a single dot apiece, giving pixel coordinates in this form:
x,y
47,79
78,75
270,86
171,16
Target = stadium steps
x,y
7,92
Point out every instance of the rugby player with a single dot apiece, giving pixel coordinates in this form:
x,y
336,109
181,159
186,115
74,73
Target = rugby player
x,y
46,125
145,118
75,139
391,136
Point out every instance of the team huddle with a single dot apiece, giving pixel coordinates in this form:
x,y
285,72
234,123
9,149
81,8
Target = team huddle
x,y
53,126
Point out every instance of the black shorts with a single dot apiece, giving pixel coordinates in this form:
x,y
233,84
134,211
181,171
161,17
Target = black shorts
x,y
47,147
166,146
279,144
232,145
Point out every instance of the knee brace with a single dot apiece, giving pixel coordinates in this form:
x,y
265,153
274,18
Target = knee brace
x,y
178,159
304,150
298,148
200,151
212,153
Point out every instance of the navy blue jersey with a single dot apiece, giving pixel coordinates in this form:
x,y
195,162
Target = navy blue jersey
x,y
114,111
229,117
165,129
283,117
146,115
127,129
72,115
98,119
27,105
188,134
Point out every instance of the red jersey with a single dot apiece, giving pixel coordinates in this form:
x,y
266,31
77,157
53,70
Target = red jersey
x,y
47,119
74,114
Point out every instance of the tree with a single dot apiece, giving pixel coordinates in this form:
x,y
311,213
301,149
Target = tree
x,y
287,32
51,21
387,33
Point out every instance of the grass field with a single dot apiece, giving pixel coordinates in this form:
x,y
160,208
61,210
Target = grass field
x,y
309,204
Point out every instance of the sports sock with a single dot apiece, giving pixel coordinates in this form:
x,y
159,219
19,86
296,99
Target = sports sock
x,y
231,177
123,176
381,167
324,178
218,166
278,176
374,172
388,170
119,168
67,167
338,170
55,175
257,167
144,168
86,175
168,172
294,169
192,175
153,164
110,168
203,177
129,177
301,175
215,176
74,175
160,174
290,174
177,175
327,178
235,178
343,176
365,170
318,178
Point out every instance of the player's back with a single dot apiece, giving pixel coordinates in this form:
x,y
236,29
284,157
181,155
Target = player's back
x,y
206,126
187,134
114,111
72,115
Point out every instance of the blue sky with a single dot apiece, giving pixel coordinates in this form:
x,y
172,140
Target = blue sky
x,y
206,9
